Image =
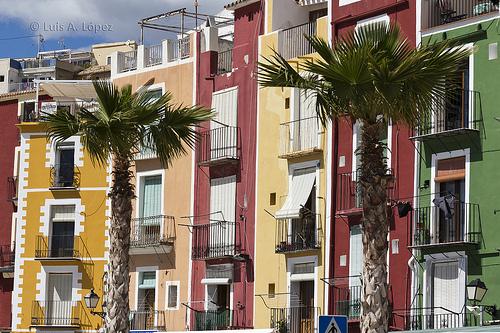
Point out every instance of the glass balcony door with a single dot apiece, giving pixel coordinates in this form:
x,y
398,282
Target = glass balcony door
x,y
59,304
65,168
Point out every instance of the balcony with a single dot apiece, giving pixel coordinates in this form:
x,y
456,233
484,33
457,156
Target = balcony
x,y
56,313
432,318
300,137
459,113
458,225
12,185
440,12
218,239
224,62
212,320
64,177
350,196
145,154
218,146
23,86
179,49
153,234
7,258
298,319
347,301
127,61
293,235
150,320
30,114
153,55
293,43
60,248
38,63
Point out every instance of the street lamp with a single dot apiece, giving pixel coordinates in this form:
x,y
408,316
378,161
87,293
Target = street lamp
x,y
476,290
91,301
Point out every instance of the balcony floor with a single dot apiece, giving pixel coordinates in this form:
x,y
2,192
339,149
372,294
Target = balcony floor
x,y
159,248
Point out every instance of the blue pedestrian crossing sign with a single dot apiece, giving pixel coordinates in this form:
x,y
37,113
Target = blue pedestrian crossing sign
x,y
332,324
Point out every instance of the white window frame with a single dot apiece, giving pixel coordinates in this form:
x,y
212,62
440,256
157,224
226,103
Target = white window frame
x,y
434,164
138,271
167,295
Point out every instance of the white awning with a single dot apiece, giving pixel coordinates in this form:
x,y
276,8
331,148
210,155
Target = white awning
x,y
82,89
216,281
302,184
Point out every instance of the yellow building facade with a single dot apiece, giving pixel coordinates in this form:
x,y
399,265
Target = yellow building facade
x,y
61,228
292,162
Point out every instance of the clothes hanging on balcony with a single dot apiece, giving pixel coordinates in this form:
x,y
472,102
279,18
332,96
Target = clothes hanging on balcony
x,y
446,205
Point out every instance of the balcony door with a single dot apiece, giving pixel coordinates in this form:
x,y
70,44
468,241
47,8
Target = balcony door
x,y
62,239
218,304
455,111
355,270
303,229
222,233
302,314
445,291
305,122
223,133
65,165
149,224
144,318
59,294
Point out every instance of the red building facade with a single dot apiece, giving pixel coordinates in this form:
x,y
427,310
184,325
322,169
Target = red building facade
x,y
224,206
346,244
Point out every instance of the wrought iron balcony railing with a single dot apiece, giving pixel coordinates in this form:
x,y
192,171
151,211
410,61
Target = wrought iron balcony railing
x,y
69,247
219,145
298,234
212,320
433,318
460,111
127,61
347,301
63,176
298,319
153,55
147,320
300,136
56,313
179,48
440,12
7,257
217,239
225,62
349,192
152,231
458,222
293,42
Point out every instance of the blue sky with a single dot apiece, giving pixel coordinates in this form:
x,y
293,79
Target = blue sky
x,y
73,23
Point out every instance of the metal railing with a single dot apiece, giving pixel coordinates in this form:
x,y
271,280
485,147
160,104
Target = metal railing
x,y
38,63
153,55
29,113
127,61
12,184
347,301
458,222
179,49
298,234
216,240
145,153
219,144
15,87
64,176
298,319
293,42
433,318
148,320
56,313
225,61
453,112
300,135
61,247
349,191
441,12
152,230
7,256
211,320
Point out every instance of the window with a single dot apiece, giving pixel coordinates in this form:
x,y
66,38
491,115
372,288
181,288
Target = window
x,y
299,195
62,232
271,290
154,94
28,111
304,127
146,293
224,136
173,295
58,304
64,170
355,270
223,208
151,194
108,60
2,78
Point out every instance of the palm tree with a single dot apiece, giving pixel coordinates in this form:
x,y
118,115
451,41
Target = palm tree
x,y
371,75
122,124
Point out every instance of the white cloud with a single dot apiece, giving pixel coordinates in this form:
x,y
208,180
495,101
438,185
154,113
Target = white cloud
x,y
64,18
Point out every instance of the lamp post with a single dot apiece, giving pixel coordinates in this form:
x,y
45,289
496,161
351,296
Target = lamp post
x,y
476,290
91,301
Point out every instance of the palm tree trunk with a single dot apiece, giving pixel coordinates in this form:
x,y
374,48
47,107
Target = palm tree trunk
x,y
122,192
373,178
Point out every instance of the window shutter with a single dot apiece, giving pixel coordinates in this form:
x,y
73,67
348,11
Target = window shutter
x,y
450,169
151,196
